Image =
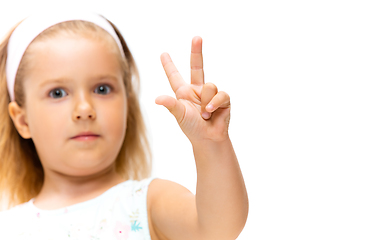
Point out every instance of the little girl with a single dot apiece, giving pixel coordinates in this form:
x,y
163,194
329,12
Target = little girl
x,y
75,160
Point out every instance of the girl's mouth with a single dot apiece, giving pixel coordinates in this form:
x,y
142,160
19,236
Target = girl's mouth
x,y
86,138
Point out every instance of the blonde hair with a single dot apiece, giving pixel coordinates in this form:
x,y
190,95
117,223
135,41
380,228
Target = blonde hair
x,y
21,172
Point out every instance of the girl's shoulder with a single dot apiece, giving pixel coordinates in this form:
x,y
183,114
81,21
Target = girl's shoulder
x,y
162,194
169,200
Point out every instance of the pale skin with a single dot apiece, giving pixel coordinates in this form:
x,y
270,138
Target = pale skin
x,y
73,171
220,207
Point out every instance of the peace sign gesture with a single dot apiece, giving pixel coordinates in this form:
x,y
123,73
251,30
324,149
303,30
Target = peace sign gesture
x,y
202,112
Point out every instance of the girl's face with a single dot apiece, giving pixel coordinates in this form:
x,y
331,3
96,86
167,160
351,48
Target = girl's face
x,y
75,85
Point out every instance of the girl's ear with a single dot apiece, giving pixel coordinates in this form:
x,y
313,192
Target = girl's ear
x,y
19,118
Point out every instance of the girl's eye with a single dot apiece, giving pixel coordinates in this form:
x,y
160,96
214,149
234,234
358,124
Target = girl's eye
x,y
103,89
57,93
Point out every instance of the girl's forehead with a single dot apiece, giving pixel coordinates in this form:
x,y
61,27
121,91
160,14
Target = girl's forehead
x,y
73,57
72,46
57,40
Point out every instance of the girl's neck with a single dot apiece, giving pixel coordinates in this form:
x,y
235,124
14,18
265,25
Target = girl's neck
x,y
60,191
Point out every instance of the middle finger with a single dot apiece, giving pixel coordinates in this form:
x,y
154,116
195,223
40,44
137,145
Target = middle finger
x,y
196,62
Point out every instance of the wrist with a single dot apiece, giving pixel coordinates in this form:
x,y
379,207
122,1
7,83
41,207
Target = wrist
x,y
211,144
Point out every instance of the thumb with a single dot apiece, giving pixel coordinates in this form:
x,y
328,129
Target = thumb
x,y
173,105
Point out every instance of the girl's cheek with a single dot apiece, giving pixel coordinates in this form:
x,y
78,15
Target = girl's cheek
x,y
115,118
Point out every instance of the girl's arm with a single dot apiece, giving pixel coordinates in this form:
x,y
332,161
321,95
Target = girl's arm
x,y
220,207
221,197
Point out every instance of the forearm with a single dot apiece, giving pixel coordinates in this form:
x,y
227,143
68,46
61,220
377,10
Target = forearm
x,y
221,197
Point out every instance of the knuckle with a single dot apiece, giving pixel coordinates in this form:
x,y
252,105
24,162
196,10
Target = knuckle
x,y
210,86
225,95
182,92
196,68
172,73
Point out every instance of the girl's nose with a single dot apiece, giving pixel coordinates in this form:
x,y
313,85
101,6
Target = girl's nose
x,y
84,109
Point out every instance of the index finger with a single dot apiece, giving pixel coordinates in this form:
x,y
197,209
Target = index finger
x,y
196,62
172,73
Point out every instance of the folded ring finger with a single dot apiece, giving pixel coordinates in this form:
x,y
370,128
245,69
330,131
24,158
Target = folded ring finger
x,y
209,90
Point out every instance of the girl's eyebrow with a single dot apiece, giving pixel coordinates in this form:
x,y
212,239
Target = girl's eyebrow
x,y
58,80
64,80
112,77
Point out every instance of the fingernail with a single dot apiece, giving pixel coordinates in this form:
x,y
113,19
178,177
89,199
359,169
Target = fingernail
x,y
206,115
209,107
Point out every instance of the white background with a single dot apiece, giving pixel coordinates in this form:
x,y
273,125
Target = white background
x,y
305,80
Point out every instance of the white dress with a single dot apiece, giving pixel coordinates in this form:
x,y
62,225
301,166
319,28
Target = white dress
x,y
119,213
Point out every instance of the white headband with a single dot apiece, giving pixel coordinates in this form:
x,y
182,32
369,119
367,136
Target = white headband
x,y
32,26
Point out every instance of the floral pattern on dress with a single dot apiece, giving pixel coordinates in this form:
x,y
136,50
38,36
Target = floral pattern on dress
x,y
122,216
136,226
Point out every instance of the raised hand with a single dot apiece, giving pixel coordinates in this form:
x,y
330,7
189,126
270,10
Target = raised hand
x,y
202,111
